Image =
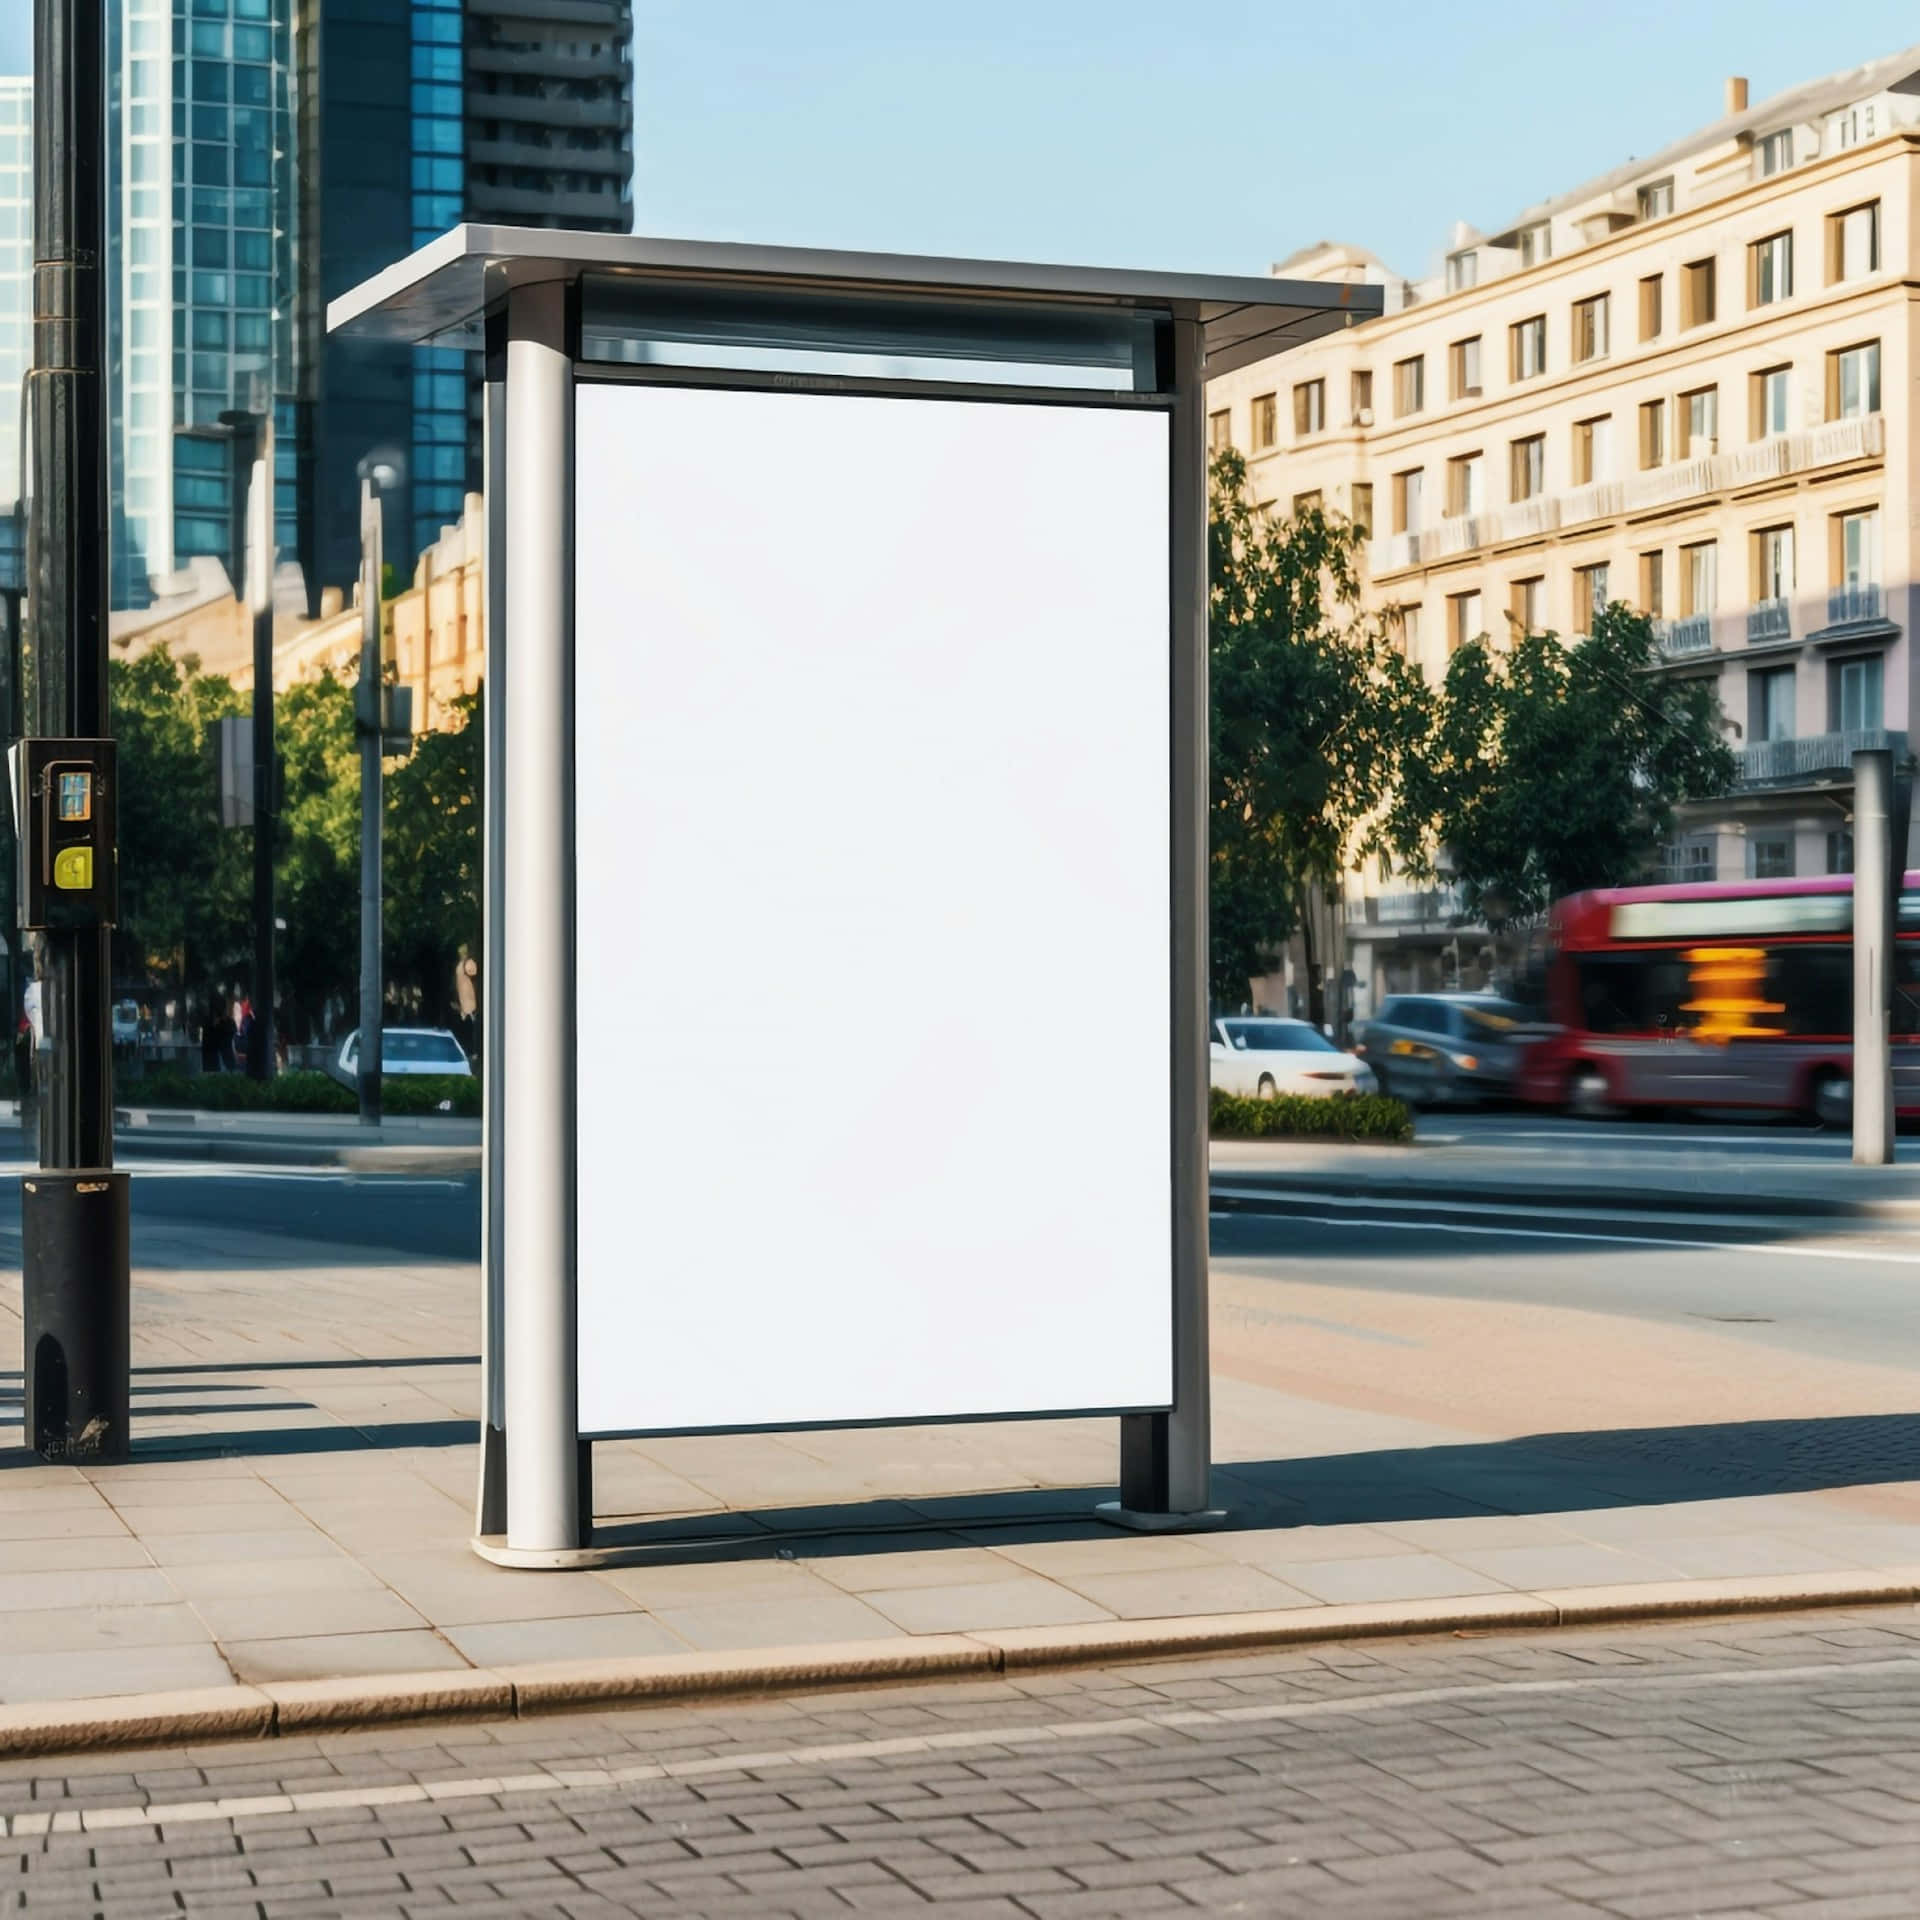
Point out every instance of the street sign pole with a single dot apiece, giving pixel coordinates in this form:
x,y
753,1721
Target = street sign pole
x,y
368,716
74,1211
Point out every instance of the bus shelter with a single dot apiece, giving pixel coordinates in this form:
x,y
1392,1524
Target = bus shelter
x,y
844,971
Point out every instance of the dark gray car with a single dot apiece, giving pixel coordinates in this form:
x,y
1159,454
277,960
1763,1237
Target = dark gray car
x,y
1446,1049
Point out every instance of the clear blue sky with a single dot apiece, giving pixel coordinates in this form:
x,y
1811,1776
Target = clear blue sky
x,y
1218,136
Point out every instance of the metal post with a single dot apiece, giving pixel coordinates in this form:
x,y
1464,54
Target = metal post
x,y
1166,1459
368,708
75,1263
1872,959
258,528
534,939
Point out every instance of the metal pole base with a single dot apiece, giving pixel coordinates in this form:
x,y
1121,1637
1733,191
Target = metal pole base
x,y
1117,1514
76,1274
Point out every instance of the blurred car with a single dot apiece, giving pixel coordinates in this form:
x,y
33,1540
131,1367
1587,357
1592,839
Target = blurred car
x,y
407,1050
1261,1056
1447,1049
126,1023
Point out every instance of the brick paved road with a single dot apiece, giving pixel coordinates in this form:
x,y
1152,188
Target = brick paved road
x,y
1765,1767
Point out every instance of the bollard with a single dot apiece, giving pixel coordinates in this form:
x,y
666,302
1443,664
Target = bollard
x,y
74,1232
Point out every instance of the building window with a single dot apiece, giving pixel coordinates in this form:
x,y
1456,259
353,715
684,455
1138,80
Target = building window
x,y
1655,200
1653,585
1699,423
1529,467
1770,270
1309,408
1853,243
1857,696
1591,326
1409,386
1699,578
1403,629
1465,489
1776,152
1407,491
1362,515
1464,621
1857,549
1853,382
1528,348
1653,433
1266,421
1770,704
1690,861
1528,609
1770,855
1463,270
1463,368
1767,398
1696,293
1840,850
1773,563
1309,502
1220,430
1849,127
1361,395
1650,316
1536,244
1592,450
1590,593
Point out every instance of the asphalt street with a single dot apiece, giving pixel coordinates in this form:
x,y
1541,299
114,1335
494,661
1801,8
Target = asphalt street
x,y
1527,1131
1756,1768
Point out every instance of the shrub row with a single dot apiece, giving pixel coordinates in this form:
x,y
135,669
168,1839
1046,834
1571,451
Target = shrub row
x,y
302,1092
1364,1116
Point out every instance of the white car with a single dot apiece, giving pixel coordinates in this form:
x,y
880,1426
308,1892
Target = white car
x,y
1260,1057
405,1050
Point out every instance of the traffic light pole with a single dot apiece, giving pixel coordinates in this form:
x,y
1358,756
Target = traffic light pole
x,y
368,712
74,1211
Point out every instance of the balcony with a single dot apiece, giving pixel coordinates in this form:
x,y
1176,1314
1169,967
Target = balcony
x,y
1434,904
1787,763
1857,604
1838,443
1768,620
1677,638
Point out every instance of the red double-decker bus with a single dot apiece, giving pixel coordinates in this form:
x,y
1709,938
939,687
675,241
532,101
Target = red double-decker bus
x,y
1715,995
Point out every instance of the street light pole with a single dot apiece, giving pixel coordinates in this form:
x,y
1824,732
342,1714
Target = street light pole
x,y
368,711
74,1261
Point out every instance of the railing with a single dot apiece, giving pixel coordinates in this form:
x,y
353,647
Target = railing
x,y
1785,453
1858,601
1774,762
1694,634
1405,909
1768,620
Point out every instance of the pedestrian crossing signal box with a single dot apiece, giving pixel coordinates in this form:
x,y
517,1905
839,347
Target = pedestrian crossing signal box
x,y
64,795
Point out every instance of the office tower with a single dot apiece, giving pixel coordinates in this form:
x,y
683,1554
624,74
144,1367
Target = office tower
x,y
16,271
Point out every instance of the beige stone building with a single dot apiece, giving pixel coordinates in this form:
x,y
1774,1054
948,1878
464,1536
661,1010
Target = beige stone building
x,y
1686,385
435,628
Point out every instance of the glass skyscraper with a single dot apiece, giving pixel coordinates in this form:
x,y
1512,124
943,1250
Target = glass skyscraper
x,y
16,271
438,478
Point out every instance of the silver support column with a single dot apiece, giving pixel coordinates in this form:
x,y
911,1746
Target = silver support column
x,y
490,1515
535,1050
1873,909
1166,1459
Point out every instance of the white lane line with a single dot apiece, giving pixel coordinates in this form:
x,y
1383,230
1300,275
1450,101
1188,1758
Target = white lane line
x,y
218,1170
570,1779
1799,1250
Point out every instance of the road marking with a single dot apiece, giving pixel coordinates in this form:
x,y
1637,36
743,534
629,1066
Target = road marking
x,y
566,1778
1798,1250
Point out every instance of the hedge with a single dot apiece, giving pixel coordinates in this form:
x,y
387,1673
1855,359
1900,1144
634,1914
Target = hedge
x,y
303,1092
1362,1116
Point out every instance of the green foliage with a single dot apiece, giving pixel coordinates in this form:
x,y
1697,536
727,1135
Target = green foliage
x,y
433,859
317,882
411,1093
1370,1117
1314,715
1554,766
304,1092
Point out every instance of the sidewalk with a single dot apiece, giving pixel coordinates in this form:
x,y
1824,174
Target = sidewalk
x,y
300,1504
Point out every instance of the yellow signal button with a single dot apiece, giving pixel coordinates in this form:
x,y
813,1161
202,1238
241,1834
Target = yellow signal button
x,y
73,869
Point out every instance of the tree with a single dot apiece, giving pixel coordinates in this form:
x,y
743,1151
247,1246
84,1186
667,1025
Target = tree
x,y
433,859
1314,715
1558,766
318,890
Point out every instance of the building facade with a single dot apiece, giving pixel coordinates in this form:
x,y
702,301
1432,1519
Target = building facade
x,y
1684,386
16,273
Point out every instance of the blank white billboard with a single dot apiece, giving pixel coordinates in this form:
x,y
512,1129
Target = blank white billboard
x,y
872,794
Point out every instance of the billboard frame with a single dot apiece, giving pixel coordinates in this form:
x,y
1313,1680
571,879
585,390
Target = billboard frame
x,y
518,294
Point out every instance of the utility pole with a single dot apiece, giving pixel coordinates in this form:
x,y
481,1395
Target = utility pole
x,y
369,713
253,552
74,1210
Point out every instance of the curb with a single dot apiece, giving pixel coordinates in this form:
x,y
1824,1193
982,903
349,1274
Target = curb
x,y
559,1686
1464,1192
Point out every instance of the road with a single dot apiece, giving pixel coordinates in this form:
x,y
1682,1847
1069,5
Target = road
x,y
1758,1768
1527,1132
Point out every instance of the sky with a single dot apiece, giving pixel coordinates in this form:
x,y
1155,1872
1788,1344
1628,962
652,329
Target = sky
x,y
1217,137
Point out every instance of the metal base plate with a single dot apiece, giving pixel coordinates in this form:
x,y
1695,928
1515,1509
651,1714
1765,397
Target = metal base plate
x,y
493,1547
1207,1520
